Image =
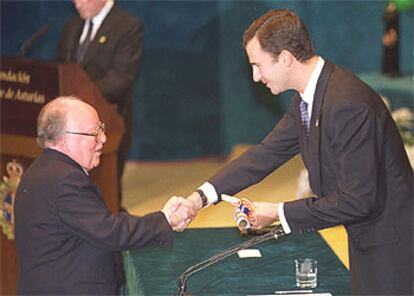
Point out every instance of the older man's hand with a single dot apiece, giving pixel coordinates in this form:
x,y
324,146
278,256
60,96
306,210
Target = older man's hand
x,y
179,212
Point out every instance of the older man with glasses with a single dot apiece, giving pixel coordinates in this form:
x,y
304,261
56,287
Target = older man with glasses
x,y
66,238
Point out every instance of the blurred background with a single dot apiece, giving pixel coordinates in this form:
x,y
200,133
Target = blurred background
x,y
194,96
195,104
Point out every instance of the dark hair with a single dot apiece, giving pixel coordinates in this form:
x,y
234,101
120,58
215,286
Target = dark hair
x,y
281,29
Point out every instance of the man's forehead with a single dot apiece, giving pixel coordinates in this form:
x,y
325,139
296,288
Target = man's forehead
x,y
82,114
255,51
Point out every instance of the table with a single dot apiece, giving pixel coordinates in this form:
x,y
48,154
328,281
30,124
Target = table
x,y
154,271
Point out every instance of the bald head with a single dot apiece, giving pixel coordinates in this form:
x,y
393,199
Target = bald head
x,y
71,126
51,121
56,115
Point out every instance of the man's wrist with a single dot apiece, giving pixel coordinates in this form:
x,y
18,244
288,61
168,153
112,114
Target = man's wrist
x,y
166,216
210,192
195,199
203,198
282,218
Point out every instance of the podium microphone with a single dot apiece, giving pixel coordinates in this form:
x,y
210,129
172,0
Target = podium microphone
x,y
275,233
32,39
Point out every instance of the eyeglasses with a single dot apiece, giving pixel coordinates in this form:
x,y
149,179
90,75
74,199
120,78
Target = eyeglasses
x,y
98,133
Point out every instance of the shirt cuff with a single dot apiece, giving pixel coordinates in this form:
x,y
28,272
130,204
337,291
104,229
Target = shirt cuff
x,y
282,218
166,217
210,192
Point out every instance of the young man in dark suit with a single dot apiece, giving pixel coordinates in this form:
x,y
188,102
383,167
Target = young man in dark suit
x,y
358,168
66,238
108,43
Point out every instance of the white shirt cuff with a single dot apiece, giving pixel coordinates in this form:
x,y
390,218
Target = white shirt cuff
x,y
282,218
166,217
210,193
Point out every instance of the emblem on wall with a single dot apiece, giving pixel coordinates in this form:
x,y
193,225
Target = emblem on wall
x,y
8,188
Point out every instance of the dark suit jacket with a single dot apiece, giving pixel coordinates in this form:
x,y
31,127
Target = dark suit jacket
x,y
66,237
359,172
112,60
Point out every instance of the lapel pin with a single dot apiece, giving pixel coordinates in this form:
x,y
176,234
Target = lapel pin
x,y
317,123
102,39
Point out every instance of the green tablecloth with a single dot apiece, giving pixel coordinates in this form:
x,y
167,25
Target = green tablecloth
x,y
154,271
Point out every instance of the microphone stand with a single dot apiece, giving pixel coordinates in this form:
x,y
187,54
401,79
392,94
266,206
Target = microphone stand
x,y
276,233
29,42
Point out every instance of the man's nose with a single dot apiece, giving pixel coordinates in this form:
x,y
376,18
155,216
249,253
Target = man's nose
x,y
256,75
102,137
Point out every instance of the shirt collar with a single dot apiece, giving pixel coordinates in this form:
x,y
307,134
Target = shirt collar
x,y
56,153
310,88
99,18
86,172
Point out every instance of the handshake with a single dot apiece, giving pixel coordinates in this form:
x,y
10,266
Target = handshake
x,y
181,211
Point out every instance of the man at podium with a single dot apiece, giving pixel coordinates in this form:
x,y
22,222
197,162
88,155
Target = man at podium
x,y
108,43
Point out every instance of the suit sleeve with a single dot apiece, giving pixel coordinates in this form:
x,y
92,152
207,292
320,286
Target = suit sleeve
x,y
120,76
356,140
280,145
83,213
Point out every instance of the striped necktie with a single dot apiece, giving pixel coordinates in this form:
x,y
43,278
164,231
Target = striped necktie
x,y
304,114
83,47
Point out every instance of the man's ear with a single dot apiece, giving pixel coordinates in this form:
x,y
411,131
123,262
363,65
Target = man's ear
x,y
61,144
286,57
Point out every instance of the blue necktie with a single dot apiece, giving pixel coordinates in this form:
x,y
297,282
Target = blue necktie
x,y
304,114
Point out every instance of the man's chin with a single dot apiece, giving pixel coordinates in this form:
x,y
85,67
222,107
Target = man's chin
x,y
274,92
96,162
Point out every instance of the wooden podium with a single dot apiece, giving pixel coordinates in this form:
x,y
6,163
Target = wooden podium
x,y
25,87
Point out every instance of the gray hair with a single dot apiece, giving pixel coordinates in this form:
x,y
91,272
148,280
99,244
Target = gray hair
x,y
51,122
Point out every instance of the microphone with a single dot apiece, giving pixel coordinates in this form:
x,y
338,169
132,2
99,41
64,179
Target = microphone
x,y
32,39
275,233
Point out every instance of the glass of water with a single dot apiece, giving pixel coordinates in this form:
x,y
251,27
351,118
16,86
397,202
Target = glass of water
x,y
306,273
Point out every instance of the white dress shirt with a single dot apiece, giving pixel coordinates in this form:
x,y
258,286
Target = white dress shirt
x,y
308,96
97,21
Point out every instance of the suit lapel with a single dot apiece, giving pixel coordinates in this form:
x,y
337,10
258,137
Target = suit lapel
x,y
102,36
73,40
313,145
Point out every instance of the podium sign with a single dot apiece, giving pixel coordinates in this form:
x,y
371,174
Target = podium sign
x,y
25,87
